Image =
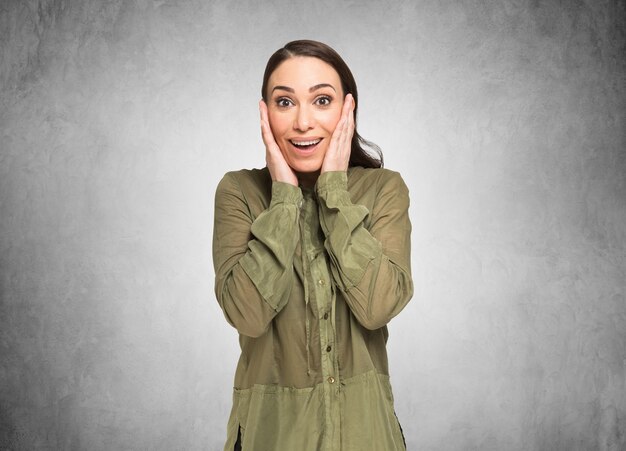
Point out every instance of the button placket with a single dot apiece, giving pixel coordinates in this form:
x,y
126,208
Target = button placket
x,y
319,273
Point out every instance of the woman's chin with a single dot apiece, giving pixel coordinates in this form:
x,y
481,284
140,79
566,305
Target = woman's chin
x,y
307,166
307,173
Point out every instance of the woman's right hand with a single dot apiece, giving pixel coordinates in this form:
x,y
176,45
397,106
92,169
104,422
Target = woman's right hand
x,y
276,163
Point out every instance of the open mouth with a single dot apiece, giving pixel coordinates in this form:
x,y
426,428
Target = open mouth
x,y
305,145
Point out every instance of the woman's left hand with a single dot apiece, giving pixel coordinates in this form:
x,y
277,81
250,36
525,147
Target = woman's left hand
x,y
338,153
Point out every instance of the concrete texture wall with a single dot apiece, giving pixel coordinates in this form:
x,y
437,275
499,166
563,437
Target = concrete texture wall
x,y
506,118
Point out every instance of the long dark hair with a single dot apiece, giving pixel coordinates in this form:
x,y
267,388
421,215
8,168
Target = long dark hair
x,y
359,156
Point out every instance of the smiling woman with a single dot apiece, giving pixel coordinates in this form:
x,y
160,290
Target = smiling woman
x,y
312,260
305,104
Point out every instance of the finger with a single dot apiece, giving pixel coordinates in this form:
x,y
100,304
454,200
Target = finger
x,y
263,110
349,112
346,137
348,129
348,107
346,113
266,131
335,139
347,116
349,103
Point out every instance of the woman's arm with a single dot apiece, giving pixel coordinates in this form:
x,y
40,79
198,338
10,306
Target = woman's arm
x,y
253,259
372,266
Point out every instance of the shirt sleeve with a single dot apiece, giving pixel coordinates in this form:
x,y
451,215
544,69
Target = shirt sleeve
x,y
370,266
253,258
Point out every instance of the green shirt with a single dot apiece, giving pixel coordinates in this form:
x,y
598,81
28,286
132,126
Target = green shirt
x,y
310,278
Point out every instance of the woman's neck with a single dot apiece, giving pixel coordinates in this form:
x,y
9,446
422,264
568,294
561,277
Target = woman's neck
x,y
308,179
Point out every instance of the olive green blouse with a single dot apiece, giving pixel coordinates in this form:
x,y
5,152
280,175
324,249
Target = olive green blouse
x,y
310,278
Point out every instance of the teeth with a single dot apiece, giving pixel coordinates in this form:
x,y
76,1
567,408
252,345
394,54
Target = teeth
x,y
305,143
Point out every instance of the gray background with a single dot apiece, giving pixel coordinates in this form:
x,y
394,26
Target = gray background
x,y
506,119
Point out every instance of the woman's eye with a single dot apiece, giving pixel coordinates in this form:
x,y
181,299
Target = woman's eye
x,y
284,102
323,101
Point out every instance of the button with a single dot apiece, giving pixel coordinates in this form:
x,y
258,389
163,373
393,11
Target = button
x,y
325,315
331,380
329,348
321,282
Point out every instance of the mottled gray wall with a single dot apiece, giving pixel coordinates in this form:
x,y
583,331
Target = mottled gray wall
x,y
506,118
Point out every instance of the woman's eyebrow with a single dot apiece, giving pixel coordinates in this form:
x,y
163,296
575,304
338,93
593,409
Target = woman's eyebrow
x,y
311,89
283,88
320,86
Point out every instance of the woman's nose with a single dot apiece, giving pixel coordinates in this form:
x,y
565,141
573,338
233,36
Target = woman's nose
x,y
304,119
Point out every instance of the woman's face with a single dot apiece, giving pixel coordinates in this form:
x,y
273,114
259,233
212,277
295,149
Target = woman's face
x,y
304,105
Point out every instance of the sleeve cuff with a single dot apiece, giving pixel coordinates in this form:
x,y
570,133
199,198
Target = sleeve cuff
x,y
286,193
332,180
333,187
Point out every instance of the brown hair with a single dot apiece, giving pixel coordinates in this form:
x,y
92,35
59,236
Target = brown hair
x,y
359,156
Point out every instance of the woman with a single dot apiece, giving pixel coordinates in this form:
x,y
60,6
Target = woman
x,y
312,260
